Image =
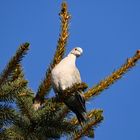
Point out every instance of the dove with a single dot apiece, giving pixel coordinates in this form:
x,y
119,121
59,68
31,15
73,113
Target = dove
x,y
64,75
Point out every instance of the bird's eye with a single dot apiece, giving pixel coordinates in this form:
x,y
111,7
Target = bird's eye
x,y
75,49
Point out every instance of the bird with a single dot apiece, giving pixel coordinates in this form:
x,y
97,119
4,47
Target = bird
x,y
64,75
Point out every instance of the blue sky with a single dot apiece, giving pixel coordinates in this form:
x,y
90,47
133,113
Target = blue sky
x,y
109,33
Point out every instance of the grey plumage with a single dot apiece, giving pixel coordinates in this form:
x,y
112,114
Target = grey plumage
x,y
64,75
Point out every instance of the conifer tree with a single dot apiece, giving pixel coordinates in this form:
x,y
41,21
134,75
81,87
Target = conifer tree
x,y
25,115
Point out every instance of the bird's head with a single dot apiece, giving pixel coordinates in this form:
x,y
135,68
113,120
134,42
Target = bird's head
x,y
77,51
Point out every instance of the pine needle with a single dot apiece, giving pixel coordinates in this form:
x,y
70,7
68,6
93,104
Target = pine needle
x,y
10,90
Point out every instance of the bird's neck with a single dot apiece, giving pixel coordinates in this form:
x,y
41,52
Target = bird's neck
x,y
72,58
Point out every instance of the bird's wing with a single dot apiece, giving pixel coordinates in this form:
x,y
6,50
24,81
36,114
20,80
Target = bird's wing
x,y
76,75
76,103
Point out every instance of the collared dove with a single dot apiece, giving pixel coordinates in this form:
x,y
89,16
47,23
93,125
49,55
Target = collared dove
x,y
64,75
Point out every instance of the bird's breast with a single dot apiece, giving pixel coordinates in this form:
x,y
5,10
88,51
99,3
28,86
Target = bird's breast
x,y
64,77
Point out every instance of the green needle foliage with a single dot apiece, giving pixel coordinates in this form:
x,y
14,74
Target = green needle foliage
x,y
25,115
6,73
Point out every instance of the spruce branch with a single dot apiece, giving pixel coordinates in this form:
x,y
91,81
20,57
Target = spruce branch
x,y
18,75
18,72
7,114
47,121
24,103
62,42
13,133
10,90
62,113
95,118
45,85
55,130
104,84
15,60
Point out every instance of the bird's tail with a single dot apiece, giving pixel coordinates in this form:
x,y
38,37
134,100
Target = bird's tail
x,y
76,103
82,117
80,111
